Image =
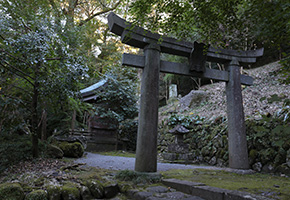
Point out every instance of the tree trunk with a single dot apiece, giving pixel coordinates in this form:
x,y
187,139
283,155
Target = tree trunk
x,y
70,14
35,150
35,129
3,118
43,125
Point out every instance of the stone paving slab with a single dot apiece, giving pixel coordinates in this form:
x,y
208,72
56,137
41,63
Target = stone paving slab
x,y
160,193
208,192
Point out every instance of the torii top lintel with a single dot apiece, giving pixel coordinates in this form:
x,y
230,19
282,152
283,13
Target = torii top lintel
x,y
139,37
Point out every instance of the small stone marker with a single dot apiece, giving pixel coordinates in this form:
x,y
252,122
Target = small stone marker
x,y
154,44
173,91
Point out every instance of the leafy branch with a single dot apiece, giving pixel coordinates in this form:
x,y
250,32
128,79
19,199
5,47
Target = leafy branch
x,y
100,13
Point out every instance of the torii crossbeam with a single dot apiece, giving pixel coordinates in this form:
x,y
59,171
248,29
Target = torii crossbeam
x,y
154,44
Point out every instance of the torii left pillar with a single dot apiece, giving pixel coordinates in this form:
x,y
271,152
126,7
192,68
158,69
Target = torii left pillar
x,y
238,151
146,151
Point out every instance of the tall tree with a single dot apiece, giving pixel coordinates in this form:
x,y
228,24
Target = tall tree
x,y
46,51
229,24
39,64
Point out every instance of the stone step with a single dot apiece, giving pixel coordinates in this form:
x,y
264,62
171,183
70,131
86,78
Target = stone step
x,y
208,192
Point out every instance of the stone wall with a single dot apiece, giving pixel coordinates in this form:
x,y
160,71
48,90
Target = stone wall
x,y
268,143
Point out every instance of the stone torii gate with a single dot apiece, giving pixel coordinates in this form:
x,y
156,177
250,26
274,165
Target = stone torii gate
x,y
153,45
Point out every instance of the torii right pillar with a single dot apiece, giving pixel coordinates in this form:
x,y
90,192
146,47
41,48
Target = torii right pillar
x,y
237,140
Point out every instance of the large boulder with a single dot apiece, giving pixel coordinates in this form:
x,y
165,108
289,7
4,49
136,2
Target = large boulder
x,y
11,191
194,98
71,139
73,150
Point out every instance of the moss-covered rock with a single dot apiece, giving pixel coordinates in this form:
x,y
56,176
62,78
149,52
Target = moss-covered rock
x,y
205,151
252,156
70,191
11,191
111,190
86,193
73,150
284,168
54,192
124,187
96,189
54,152
37,195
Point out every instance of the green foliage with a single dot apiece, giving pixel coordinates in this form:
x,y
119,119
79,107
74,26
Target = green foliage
x,y
45,58
128,132
117,101
186,120
270,21
238,24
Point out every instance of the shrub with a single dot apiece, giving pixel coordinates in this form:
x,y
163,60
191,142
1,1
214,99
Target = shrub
x,y
128,129
13,149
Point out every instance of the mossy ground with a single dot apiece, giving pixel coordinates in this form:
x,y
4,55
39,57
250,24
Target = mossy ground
x,y
272,186
118,153
91,173
268,185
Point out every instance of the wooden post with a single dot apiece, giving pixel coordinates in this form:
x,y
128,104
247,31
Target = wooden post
x,y
146,152
238,151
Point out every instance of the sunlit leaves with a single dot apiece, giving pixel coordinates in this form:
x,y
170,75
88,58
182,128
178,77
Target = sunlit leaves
x,y
234,24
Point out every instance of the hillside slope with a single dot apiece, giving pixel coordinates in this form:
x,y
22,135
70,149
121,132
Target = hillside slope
x,y
266,84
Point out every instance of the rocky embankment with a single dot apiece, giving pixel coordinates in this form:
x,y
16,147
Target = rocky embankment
x,y
203,112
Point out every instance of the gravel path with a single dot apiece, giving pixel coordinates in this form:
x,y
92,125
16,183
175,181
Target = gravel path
x,y
123,163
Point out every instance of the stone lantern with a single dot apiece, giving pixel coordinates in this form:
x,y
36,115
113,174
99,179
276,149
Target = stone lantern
x,y
179,131
178,151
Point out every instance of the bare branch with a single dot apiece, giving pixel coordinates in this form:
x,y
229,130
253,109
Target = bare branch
x,y
56,58
13,85
21,101
100,13
15,68
2,37
76,3
13,71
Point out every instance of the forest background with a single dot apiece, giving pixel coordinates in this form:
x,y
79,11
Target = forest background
x,y
51,49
